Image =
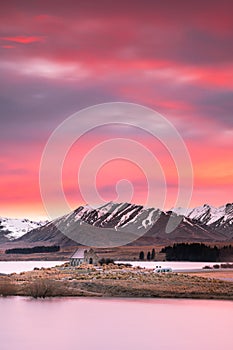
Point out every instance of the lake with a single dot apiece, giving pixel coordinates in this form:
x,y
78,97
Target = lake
x,y
20,266
110,324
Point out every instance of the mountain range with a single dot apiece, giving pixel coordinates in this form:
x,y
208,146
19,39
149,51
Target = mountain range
x,y
11,229
145,226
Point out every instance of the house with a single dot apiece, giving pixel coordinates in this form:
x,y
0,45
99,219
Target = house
x,y
78,257
83,255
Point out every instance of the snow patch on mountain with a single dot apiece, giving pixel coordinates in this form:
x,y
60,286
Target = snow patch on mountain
x,y
125,218
85,210
114,212
151,218
15,228
188,221
106,209
210,215
181,211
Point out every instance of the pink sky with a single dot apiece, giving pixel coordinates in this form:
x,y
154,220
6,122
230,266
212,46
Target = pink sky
x,y
58,57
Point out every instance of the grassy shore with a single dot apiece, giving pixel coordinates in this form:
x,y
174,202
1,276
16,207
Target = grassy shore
x,y
113,281
224,274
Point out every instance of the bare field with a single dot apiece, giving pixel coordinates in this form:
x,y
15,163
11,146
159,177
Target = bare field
x,y
118,253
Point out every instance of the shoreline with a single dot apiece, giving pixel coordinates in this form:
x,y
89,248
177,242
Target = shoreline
x,y
112,281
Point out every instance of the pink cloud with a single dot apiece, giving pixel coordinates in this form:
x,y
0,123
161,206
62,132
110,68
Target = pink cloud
x,y
175,59
23,39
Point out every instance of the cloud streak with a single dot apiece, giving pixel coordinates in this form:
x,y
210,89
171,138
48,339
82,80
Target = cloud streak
x,y
58,58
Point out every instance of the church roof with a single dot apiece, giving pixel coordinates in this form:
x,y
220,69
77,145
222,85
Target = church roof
x,y
78,254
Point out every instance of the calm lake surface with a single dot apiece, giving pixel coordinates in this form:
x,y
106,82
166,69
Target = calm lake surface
x,y
20,266
110,324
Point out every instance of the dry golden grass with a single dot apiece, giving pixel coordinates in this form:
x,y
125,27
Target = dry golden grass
x,y
113,281
213,274
7,287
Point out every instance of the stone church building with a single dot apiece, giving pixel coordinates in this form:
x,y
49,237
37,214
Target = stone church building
x,y
83,255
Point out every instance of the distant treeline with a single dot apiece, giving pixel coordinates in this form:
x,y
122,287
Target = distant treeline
x,y
38,249
196,252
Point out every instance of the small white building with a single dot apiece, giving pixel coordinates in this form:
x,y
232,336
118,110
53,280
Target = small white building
x,y
78,257
160,269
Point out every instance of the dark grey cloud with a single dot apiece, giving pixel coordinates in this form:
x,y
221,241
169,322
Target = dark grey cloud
x,y
188,34
35,106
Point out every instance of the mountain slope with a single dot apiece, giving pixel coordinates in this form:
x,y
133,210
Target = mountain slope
x,y
186,231
219,219
113,221
11,229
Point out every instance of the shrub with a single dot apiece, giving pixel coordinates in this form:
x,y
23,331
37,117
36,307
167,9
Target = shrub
x,y
43,288
226,266
216,266
7,287
124,265
106,261
153,254
141,255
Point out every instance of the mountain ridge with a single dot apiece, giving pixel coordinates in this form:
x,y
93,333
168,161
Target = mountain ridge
x,y
13,228
203,223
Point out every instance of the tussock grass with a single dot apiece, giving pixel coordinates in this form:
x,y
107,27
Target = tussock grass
x,y
7,287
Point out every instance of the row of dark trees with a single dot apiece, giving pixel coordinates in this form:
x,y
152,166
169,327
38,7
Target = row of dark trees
x,y
106,261
149,256
191,252
37,249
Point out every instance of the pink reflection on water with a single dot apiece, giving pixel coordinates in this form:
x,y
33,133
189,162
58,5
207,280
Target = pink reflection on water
x,y
108,324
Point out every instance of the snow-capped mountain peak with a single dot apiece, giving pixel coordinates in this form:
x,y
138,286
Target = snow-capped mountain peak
x,y
127,217
209,215
181,211
15,228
